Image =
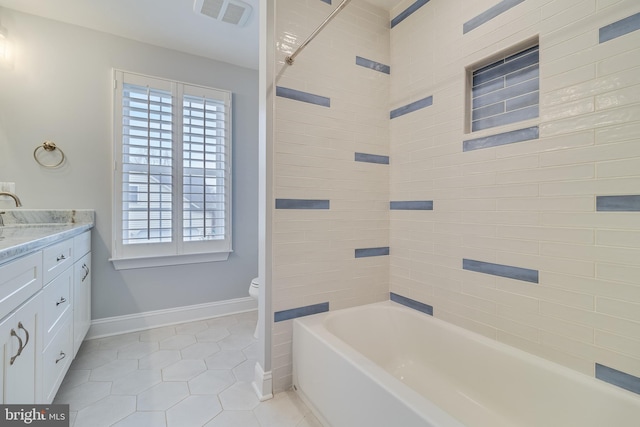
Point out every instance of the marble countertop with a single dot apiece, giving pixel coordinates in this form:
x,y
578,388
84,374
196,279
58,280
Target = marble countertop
x,y
26,231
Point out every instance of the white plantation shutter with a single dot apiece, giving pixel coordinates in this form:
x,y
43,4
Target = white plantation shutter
x,y
147,155
205,168
172,175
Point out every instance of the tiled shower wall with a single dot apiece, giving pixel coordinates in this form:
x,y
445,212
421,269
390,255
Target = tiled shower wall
x,y
331,214
524,243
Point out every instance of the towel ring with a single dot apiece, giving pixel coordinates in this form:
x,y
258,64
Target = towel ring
x,y
48,146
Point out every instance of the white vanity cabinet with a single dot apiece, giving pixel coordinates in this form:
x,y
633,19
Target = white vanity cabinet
x,y
20,310
44,316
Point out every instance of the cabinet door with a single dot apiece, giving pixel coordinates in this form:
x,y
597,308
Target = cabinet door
x,y
21,352
81,300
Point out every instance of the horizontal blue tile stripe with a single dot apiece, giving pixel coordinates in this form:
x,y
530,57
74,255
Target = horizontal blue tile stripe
x,y
511,137
409,108
618,203
508,271
408,11
302,204
620,28
506,118
371,158
293,313
618,378
376,66
367,252
298,95
489,14
411,303
326,1
413,205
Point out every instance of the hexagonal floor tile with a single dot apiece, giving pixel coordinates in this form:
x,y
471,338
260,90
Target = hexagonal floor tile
x,y
83,395
113,370
191,327
136,382
194,411
226,359
240,396
183,370
284,410
211,382
106,411
213,334
162,396
234,419
118,341
236,342
157,334
142,419
137,350
245,371
177,342
200,350
159,359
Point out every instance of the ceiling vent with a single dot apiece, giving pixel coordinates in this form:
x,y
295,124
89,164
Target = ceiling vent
x,y
234,12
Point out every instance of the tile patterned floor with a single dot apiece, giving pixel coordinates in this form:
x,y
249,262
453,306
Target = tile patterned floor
x,y
194,374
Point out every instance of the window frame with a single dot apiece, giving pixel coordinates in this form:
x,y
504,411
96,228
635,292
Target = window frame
x,y
177,251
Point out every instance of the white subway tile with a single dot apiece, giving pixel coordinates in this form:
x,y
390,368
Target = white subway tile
x,y
542,234
617,343
618,308
591,318
592,286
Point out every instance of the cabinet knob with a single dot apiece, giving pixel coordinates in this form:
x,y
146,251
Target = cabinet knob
x,y
62,301
25,332
62,356
60,258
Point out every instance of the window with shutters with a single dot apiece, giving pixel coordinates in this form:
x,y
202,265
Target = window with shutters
x,y
172,172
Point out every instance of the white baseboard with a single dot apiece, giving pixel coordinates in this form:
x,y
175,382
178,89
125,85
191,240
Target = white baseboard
x,y
154,319
262,383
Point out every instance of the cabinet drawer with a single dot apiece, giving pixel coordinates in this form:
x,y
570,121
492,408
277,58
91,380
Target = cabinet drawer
x,y
55,360
57,298
19,280
56,258
81,244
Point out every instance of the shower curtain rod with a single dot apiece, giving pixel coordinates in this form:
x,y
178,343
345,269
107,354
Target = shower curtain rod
x,y
289,59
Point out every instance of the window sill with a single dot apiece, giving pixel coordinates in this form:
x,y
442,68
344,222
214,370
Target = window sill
x,y
162,261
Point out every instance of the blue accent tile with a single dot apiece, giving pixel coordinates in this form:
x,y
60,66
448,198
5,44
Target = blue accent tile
x,y
413,205
507,93
620,28
371,158
376,66
489,14
618,203
326,1
408,11
298,95
302,204
618,378
411,303
293,313
367,252
519,135
506,118
507,66
488,111
523,101
409,108
518,273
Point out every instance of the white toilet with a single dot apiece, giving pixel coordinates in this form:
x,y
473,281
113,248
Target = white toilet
x,y
254,292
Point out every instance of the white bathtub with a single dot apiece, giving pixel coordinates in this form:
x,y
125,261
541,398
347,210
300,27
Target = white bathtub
x,y
390,366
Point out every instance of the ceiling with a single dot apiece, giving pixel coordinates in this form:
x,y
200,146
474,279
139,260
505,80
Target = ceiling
x,y
168,23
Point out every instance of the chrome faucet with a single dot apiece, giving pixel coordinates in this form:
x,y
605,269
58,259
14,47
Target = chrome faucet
x,y
15,198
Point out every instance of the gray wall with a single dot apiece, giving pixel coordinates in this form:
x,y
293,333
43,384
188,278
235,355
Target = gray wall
x,y
60,89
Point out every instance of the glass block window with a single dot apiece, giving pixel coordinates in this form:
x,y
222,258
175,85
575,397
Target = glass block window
x,y
506,91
